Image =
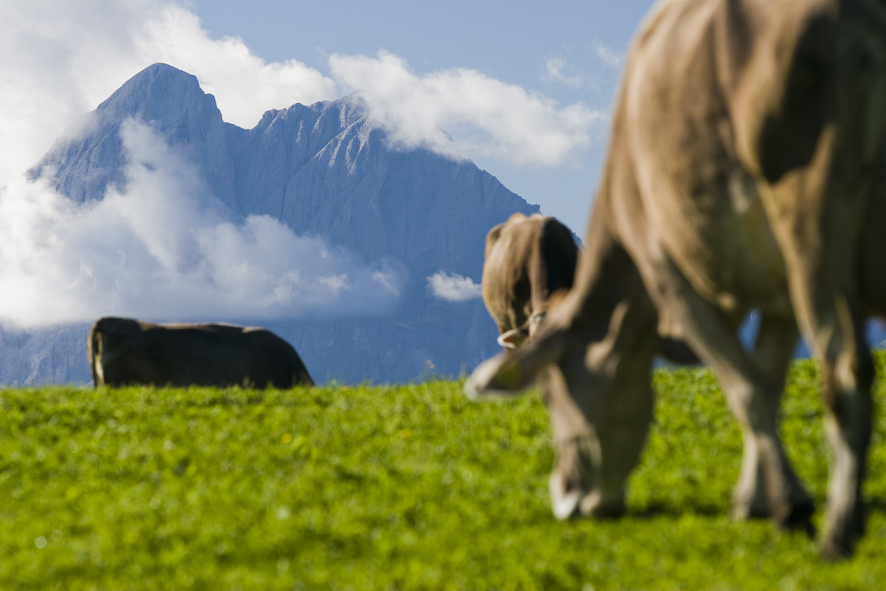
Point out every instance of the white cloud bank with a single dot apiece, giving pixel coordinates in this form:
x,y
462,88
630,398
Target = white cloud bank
x,y
453,287
60,59
491,118
163,250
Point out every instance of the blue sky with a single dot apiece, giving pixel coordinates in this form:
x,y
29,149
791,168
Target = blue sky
x,y
510,40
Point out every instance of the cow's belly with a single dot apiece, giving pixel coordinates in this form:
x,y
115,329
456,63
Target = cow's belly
x,y
730,255
760,279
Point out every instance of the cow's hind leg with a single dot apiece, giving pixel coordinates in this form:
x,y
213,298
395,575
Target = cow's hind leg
x,y
847,375
752,391
817,219
847,394
773,351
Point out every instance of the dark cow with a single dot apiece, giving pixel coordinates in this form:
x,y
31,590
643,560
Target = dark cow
x,y
124,351
743,157
527,260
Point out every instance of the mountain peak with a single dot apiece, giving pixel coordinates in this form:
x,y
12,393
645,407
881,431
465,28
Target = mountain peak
x,y
171,102
162,95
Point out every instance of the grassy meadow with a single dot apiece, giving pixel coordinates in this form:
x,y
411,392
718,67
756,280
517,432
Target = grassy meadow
x,y
402,487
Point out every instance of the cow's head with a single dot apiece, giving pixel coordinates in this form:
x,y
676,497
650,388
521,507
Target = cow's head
x,y
516,337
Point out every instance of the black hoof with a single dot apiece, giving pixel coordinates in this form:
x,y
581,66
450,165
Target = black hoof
x,y
836,550
836,545
800,519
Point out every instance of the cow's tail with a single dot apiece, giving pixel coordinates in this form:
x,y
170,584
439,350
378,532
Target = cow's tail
x,y
94,353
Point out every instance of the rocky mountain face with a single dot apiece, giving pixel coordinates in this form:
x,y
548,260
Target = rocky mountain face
x,y
324,170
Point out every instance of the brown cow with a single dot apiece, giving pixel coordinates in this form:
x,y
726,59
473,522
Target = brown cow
x,y
527,260
744,143
124,351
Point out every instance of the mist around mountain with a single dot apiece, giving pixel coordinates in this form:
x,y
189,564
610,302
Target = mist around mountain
x,y
365,256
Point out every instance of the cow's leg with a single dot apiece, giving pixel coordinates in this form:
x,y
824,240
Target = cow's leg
x,y
600,429
751,391
776,341
575,441
817,219
836,331
847,379
628,408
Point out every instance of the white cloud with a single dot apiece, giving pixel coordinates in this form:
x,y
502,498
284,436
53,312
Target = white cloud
x,y
595,67
609,56
453,287
554,68
59,60
489,117
162,250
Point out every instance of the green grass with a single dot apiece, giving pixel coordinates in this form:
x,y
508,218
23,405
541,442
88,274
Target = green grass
x,y
406,487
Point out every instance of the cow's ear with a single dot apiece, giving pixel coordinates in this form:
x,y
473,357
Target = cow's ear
x,y
513,338
492,237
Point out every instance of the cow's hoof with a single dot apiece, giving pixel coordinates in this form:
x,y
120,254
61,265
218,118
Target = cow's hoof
x,y
834,550
747,510
565,505
795,516
593,505
799,518
581,503
839,538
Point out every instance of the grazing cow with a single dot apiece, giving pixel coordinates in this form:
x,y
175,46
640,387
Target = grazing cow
x,y
527,260
743,157
123,351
